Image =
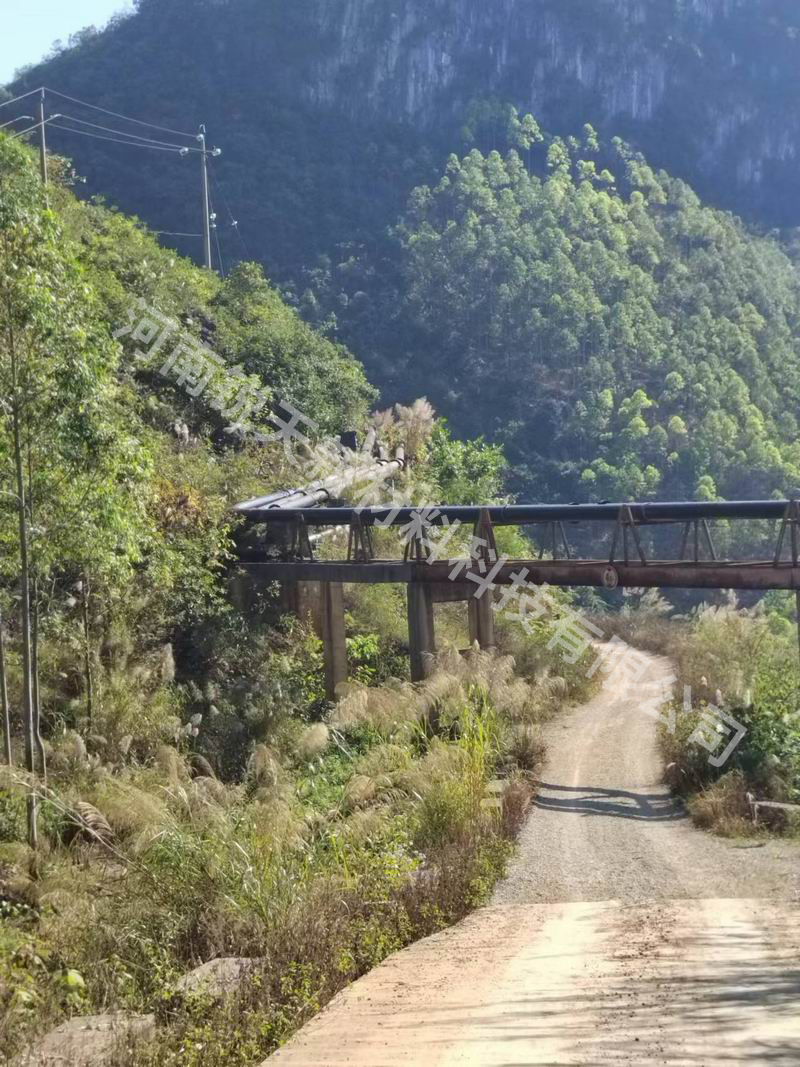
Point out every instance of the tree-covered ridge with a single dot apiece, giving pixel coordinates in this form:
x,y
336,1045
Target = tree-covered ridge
x,y
623,339
159,708
115,484
330,111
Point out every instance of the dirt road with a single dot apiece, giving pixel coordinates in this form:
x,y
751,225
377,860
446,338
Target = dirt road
x,y
621,936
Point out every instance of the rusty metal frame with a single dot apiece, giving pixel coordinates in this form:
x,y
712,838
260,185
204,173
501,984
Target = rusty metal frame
x,y
360,545
626,523
694,528
790,522
300,546
484,531
557,530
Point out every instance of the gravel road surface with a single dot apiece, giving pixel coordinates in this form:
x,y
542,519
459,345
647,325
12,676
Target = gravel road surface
x,y
621,936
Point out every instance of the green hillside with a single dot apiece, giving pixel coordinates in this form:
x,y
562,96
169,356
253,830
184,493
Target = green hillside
x,y
619,336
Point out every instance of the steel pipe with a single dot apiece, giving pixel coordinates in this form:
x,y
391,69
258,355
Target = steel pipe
x,y
519,514
658,574
294,502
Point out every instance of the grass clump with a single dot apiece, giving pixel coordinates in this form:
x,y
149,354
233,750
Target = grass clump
x,y
354,838
744,662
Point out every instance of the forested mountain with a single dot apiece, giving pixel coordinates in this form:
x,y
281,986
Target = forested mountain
x,y
550,290
344,103
520,209
621,339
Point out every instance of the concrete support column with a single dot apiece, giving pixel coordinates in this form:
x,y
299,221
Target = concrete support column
x,y
421,640
333,636
481,620
304,599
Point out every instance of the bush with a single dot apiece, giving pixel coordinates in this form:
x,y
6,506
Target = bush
x,y
723,806
12,816
323,861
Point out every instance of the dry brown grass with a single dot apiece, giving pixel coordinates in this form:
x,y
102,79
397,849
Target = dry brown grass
x,y
723,807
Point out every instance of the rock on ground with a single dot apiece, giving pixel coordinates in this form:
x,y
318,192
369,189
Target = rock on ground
x,y
87,1041
217,977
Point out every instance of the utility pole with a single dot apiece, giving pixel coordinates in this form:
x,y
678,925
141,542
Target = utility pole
x,y
204,153
42,141
201,137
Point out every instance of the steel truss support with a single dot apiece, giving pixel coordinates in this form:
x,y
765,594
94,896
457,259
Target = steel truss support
x,y
300,546
557,534
693,530
789,523
625,524
484,538
360,546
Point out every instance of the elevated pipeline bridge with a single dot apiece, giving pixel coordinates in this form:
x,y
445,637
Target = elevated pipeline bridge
x,y
633,545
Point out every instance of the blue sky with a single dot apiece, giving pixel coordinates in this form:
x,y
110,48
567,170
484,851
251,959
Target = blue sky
x,y
31,26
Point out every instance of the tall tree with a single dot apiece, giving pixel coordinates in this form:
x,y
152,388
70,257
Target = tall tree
x,y
68,467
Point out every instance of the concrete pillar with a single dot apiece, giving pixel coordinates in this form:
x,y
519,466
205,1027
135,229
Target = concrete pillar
x,y
481,620
421,641
333,636
304,599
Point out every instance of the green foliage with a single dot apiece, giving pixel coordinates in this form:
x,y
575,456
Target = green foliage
x,y
130,481
372,660
12,816
257,678
85,475
556,307
465,472
737,659
260,332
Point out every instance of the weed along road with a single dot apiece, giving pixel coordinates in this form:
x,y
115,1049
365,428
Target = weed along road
x,y
622,935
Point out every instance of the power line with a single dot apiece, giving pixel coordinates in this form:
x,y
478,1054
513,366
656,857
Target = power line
x,y
117,140
14,99
21,133
135,140
173,233
125,118
30,129
234,222
124,133
17,119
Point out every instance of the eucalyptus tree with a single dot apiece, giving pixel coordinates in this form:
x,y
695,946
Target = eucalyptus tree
x,y
70,470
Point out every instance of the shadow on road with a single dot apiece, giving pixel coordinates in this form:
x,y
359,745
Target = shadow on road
x,y
618,803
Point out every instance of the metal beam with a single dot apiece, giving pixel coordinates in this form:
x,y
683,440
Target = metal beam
x,y
656,574
521,514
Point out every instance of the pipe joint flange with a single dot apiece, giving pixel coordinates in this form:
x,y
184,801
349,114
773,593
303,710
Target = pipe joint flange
x,y
610,578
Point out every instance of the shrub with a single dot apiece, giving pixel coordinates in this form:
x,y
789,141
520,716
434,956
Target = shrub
x,y
526,746
723,806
